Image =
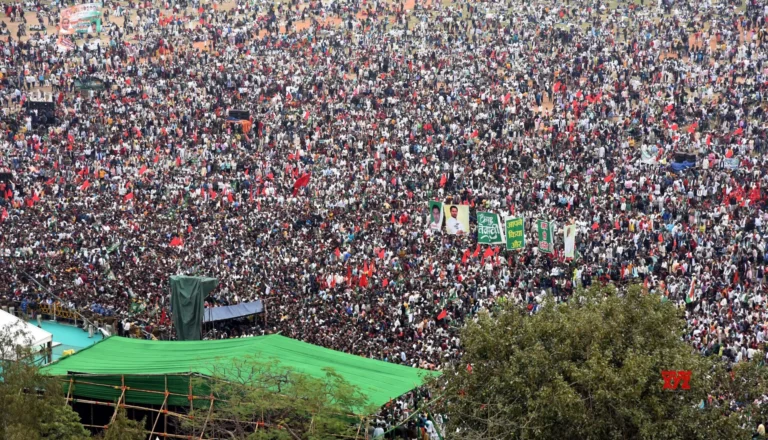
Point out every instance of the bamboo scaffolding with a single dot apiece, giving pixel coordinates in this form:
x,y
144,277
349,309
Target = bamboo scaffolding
x,y
138,390
69,391
154,425
122,396
162,434
165,412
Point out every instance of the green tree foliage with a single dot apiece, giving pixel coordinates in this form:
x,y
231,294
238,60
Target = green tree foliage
x,y
257,400
123,428
32,406
591,369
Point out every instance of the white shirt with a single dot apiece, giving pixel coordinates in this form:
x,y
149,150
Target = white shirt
x,y
454,226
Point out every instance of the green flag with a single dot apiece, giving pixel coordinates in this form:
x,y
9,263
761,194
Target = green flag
x,y
488,228
515,233
544,230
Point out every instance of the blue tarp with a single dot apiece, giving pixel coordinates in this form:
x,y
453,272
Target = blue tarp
x,y
679,166
230,312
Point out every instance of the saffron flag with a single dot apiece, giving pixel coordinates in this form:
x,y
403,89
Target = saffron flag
x,y
691,296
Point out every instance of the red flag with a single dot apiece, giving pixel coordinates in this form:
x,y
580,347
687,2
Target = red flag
x,y
739,131
384,282
35,198
477,251
176,241
143,170
363,281
365,268
212,193
300,183
128,196
85,185
488,253
465,256
337,252
230,198
4,215
442,315
381,254
157,158
443,180
609,177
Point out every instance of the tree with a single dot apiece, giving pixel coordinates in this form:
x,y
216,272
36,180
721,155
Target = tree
x,y
591,369
32,406
268,401
123,428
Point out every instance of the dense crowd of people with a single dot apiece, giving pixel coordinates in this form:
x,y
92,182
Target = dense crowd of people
x,y
642,123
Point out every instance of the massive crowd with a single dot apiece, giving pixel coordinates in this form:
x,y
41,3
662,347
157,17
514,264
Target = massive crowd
x,y
643,123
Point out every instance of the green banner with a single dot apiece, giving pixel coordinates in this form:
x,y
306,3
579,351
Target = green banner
x,y
488,228
515,227
544,229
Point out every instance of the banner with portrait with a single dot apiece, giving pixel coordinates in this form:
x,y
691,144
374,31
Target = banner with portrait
x,y
544,231
80,19
515,233
569,238
456,219
489,228
435,217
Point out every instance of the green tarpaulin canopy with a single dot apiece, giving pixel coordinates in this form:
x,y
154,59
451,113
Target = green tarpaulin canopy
x,y
187,298
147,365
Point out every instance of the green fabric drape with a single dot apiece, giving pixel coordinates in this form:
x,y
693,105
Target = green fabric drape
x,y
187,297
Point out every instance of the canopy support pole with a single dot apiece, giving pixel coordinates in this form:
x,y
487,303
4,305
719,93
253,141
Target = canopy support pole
x,y
117,407
434,424
69,391
165,402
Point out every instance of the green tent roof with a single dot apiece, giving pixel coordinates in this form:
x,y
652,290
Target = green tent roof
x,y
150,365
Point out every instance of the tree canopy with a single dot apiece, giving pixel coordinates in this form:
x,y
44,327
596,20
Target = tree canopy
x,y
591,369
269,401
32,406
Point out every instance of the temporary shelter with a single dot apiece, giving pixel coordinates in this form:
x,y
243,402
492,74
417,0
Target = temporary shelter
x,y
23,334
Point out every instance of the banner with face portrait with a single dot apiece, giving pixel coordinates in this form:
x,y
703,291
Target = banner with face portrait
x,y
489,228
435,217
80,19
544,230
569,240
456,219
